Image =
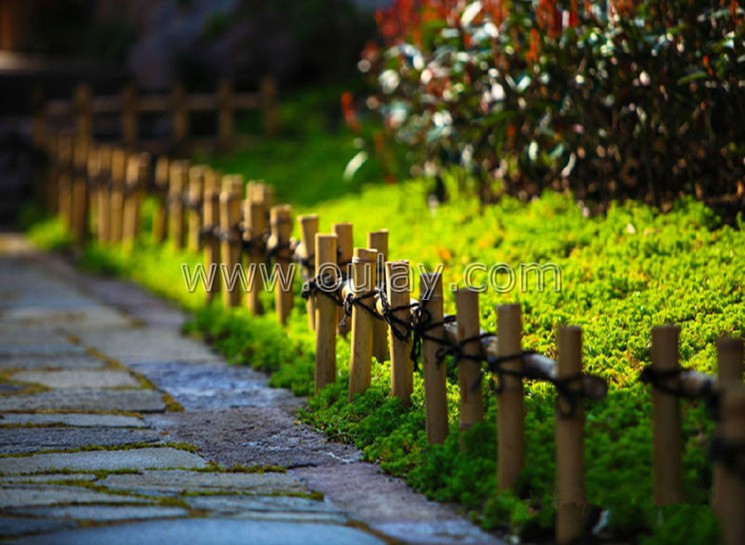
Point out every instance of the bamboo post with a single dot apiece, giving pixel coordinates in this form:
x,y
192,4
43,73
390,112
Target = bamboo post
x,y
281,225
511,400
729,374
179,117
194,204
732,483
364,279
308,230
130,118
94,186
469,371
325,311
79,199
103,207
345,250
666,424
138,171
402,368
230,242
179,172
378,240
160,214
268,91
83,112
210,229
570,486
116,203
435,383
64,180
225,124
255,220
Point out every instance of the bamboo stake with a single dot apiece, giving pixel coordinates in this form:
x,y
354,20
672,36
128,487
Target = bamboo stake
x,y
281,224
104,195
667,444
177,183
268,90
230,246
160,215
308,230
195,195
345,250
469,371
572,507
378,240
729,374
364,277
211,225
64,181
179,117
116,203
435,385
731,483
83,112
325,311
402,368
79,204
255,220
138,171
511,402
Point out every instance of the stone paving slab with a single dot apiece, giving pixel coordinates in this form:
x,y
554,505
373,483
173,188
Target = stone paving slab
x,y
236,505
78,379
35,495
85,399
46,478
106,460
41,349
17,526
177,481
253,436
81,420
103,512
23,440
200,386
206,532
51,362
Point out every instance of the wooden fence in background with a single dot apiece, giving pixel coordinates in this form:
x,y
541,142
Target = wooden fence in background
x,y
128,107
98,190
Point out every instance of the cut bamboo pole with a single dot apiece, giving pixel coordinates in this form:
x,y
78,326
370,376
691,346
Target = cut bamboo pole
x,y
116,204
79,208
268,90
469,371
160,215
230,245
435,384
572,503
378,240
64,181
729,374
731,483
325,311
255,221
211,226
308,230
138,171
402,368
281,224
364,277
666,424
511,400
178,176
103,207
195,196
345,251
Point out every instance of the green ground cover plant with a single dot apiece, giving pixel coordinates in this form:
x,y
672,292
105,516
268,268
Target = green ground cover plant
x,y
621,274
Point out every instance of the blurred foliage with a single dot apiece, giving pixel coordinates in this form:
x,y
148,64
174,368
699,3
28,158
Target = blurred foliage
x,y
643,101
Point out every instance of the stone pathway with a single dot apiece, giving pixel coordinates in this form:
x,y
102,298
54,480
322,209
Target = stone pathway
x,y
116,429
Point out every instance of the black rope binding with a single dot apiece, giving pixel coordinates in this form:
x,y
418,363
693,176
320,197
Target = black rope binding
x,y
669,382
731,454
